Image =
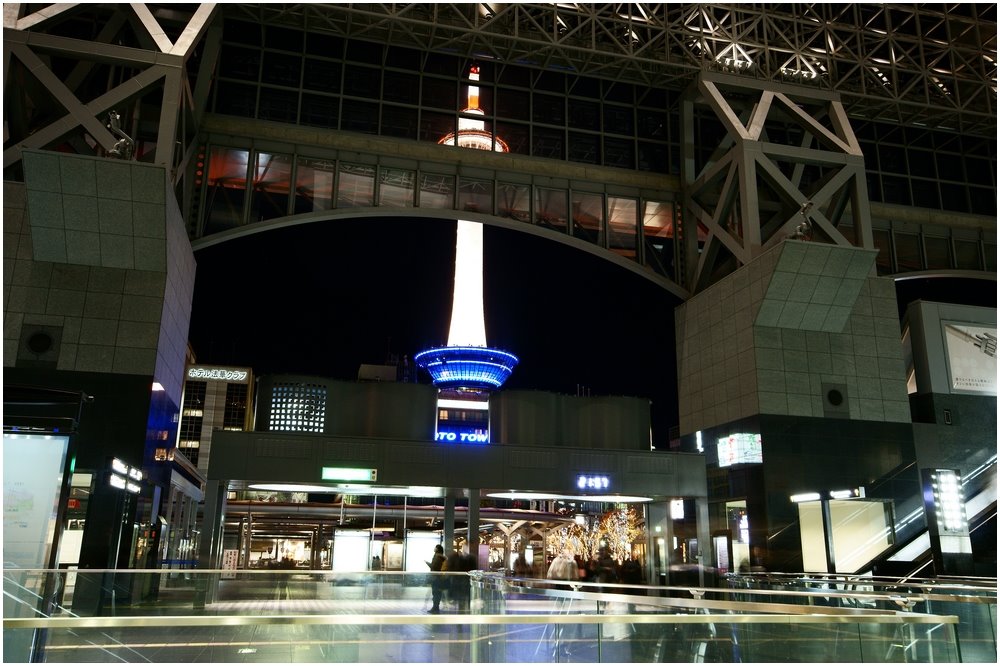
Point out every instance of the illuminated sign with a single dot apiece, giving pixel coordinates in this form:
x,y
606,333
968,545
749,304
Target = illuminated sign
x,y
348,474
452,436
218,374
949,504
125,477
592,482
677,509
739,448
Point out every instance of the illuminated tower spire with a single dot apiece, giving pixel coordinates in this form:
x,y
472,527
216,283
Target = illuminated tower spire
x,y
468,320
472,133
467,363
466,370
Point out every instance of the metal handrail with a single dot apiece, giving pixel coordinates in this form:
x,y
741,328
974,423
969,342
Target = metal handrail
x,y
161,621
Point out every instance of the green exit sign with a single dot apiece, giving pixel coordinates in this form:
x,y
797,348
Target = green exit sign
x,y
349,474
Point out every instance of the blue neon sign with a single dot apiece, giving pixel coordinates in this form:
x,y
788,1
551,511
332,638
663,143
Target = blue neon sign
x,y
453,436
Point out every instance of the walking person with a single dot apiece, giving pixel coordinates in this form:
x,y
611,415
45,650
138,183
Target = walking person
x,y
437,582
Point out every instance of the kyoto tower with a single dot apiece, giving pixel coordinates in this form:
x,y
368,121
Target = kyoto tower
x,y
466,370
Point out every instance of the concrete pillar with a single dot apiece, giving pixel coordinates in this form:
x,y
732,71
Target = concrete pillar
x,y
659,545
704,538
449,523
210,545
473,533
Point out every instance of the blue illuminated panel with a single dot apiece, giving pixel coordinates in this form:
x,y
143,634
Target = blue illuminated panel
x,y
467,367
456,435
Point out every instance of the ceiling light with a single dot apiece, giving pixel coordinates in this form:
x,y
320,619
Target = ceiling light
x,y
521,495
346,489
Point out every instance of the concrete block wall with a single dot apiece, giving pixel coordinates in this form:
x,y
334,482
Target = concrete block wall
x,y
90,253
774,336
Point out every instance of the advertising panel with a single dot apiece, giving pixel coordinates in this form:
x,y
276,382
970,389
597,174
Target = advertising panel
x,y
740,448
32,479
972,357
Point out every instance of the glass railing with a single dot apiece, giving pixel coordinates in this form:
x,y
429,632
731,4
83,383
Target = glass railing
x,y
972,600
292,616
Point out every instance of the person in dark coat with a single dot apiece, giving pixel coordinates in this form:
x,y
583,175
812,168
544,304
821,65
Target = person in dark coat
x,y
437,582
459,589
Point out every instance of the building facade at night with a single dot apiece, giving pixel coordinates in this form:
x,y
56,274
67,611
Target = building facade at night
x,y
816,184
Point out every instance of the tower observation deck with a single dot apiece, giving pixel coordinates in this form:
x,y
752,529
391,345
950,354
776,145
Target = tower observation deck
x,y
467,368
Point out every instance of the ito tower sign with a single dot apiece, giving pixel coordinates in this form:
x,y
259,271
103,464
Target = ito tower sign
x,y
466,370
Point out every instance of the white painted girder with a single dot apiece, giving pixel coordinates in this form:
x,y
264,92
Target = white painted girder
x,y
750,154
166,64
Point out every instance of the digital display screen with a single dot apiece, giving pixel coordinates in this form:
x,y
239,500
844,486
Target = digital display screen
x,y
740,448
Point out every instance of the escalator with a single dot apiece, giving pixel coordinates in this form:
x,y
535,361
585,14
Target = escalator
x,y
910,554
913,557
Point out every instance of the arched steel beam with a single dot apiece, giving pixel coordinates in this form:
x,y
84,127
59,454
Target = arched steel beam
x,y
432,213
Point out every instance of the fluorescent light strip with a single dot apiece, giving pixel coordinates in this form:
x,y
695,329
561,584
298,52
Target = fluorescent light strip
x,y
346,489
514,495
463,404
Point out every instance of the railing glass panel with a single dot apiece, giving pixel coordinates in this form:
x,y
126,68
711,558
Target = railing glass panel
x,y
310,616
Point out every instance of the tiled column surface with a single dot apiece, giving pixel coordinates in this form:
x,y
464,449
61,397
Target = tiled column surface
x,y
95,249
774,336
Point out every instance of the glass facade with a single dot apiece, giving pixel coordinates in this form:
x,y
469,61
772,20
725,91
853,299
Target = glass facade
x,y
289,76
192,418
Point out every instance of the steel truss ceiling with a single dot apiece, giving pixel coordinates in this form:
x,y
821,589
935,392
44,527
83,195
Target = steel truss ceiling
x,y
925,64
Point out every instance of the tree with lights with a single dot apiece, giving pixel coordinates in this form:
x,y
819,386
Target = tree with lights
x,y
620,528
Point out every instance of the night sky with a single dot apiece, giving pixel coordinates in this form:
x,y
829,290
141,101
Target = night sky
x,y
321,299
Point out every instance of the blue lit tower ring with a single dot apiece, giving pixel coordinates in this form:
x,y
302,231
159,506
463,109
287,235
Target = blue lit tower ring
x,y
467,367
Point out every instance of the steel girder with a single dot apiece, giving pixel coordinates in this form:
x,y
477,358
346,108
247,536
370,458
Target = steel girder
x,y
933,65
68,84
757,189
926,65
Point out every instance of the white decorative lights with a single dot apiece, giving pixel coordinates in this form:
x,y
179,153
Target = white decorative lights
x,y
949,503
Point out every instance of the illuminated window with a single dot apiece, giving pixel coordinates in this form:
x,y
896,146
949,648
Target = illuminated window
x,y
314,185
271,182
227,184
588,217
475,195
397,187
622,225
551,208
437,191
357,186
298,408
514,201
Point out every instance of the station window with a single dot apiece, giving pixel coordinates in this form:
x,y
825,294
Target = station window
x,y
622,223
397,187
514,201
588,217
271,184
314,185
437,191
550,208
227,182
356,186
